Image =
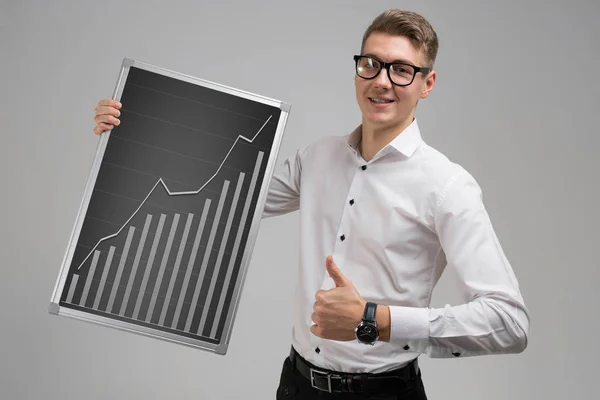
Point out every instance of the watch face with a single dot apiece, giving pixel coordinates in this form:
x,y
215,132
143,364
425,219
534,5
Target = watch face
x,y
367,333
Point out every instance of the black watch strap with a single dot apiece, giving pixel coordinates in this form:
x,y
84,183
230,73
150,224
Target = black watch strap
x,y
370,312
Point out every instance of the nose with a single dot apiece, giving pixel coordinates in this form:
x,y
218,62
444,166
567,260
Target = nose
x,y
382,80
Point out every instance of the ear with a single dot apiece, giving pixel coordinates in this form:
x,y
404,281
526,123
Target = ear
x,y
428,84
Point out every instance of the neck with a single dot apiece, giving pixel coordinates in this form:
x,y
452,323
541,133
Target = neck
x,y
376,137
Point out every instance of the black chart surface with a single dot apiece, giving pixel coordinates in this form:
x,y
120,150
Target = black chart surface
x,y
167,225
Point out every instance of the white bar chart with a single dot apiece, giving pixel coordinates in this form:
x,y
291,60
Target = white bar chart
x,y
155,312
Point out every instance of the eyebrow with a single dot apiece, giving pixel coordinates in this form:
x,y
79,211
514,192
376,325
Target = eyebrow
x,y
398,60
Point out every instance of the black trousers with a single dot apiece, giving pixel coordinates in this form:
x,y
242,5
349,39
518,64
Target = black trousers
x,y
294,386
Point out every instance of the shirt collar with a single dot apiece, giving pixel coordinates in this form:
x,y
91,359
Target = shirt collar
x,y
406,142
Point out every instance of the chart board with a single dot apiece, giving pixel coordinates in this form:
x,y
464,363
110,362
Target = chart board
x,y
166,227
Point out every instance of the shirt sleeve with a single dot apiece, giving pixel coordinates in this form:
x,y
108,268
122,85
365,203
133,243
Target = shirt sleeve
x,y
493,318
284,189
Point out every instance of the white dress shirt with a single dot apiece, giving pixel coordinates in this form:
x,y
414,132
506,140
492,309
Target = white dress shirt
x,y
392,225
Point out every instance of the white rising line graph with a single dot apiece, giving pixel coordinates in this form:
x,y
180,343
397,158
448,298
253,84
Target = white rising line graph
x,y
171,193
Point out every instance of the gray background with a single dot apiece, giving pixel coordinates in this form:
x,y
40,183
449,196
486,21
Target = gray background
x,y
514,103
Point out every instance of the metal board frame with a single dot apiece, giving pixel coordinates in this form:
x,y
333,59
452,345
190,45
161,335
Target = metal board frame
x,y
220,348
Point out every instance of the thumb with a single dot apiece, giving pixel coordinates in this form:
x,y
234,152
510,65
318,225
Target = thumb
x,y
335,273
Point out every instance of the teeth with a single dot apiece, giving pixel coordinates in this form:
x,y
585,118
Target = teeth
x,y
380,100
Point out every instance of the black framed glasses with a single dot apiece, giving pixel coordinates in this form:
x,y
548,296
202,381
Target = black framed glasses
x,y
399,73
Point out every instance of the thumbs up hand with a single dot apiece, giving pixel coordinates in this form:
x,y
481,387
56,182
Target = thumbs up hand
x,y
338,311
334,272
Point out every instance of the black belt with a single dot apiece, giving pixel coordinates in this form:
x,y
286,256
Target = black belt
x,y
332,381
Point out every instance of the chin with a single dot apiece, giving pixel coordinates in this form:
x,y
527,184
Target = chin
x,y
379,119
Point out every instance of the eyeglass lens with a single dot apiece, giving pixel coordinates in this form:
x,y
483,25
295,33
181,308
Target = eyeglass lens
x,y
400,74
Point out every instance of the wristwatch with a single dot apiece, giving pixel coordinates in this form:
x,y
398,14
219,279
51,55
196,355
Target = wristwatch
x,y
367,331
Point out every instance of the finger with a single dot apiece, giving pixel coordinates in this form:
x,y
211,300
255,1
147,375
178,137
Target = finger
x,y
316,331
100,128
105,110
110,103
319,296
335,273
107,119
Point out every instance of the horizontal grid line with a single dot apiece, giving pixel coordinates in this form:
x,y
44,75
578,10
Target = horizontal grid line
x,y
226,167
194,101
181,126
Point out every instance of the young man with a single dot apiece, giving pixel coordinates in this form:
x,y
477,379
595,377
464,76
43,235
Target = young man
x,y
377,230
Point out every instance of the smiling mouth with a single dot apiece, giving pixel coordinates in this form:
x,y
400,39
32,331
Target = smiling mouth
x,y
380,101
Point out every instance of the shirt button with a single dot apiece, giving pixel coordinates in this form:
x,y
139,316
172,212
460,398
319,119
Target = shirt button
x,y
351,201
406,347
456,354
343,237
364,167
317,350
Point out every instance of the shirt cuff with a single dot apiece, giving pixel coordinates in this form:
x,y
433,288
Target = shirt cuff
x,y
408,323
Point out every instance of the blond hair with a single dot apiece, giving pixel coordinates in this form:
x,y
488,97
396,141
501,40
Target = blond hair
x,y
409,24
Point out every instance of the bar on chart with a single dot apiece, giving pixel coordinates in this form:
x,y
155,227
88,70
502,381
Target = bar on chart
x,y
192,314
132,275
238,237
117,280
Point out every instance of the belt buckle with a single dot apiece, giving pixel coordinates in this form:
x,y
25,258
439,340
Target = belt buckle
x,y
324,374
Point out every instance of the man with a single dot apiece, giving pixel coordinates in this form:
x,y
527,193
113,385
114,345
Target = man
x,y
386,213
